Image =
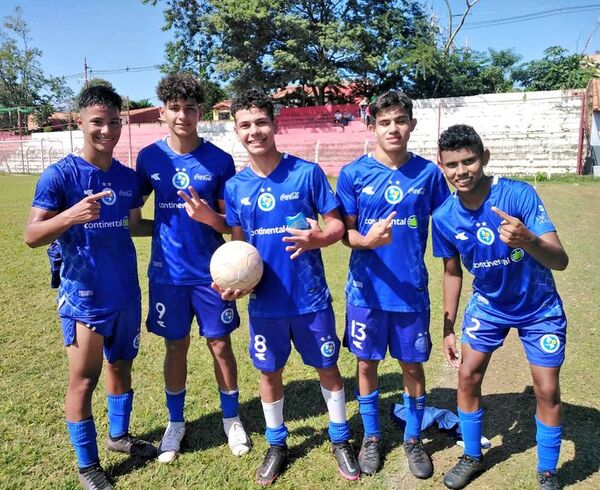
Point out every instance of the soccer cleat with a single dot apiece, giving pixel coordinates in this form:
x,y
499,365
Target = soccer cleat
x,y
419,462
134,446
347,464
463,472
94,478
369,457
168,449
548,480
238,440
272,465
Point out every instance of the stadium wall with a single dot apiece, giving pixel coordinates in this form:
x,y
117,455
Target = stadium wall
x,y
527,133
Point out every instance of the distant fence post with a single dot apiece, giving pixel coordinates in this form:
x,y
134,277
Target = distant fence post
x,y
22,157
317,145
366,147
42,153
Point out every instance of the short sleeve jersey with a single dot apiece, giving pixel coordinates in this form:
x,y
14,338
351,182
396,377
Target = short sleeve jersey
x,y
260,205
181,246
99,272
392,277
509,285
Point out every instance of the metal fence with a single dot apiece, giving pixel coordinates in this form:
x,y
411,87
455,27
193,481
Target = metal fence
x,y
30,155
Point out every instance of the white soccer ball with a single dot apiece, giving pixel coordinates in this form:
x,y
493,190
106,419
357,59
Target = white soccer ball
x,y
236,265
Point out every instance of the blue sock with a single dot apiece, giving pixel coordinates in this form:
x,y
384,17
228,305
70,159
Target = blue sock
x,y
119,412
368,407
339,432
83,439
548,446
471,425
415,408
175,404
277,436
229,403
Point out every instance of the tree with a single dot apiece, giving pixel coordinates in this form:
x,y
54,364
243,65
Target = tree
x,y
557,70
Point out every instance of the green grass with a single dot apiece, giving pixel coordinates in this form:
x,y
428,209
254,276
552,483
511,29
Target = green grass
x,y
34,447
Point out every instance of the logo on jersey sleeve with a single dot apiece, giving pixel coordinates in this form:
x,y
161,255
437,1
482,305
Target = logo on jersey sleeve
x,y
550,343
517,255
266,200
110,199
328,347
484,234
181,180
393,193
369,191
461,236
155,176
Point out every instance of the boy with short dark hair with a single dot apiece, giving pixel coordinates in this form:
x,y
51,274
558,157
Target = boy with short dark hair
x,y
387,197
88,203
501,231
291,303
181,251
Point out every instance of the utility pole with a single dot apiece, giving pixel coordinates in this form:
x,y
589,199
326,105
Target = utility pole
x,y
85,72
129,154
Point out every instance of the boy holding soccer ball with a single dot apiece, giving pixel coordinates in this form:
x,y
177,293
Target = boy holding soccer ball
x,y
89,203
386,199
274,204
500,230
181,251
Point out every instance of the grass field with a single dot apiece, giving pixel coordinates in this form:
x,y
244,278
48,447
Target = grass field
x,y
34,446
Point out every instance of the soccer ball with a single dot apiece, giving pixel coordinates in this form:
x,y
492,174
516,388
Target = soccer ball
x,y
236,265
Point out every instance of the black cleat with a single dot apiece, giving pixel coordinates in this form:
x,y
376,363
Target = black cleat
x,y
548,480
347,464
272,465
419,461
134,446
369,457
463,472
94,478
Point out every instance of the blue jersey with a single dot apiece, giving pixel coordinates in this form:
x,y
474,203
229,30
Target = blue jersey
x,y
99,271
392,277
509,285
181,246
260,205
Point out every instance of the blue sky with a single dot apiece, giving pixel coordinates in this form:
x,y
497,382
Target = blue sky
x,y
115,34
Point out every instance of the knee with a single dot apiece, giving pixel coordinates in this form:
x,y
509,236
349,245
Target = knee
x,y
547,392
469,378
82,385
367,368
177,347
413,370
221,347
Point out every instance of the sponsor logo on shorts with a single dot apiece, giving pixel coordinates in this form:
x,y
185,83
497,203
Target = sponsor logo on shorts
x,y
227,315
266,201
110,199
393,194
181,180
550,343
136,342
422,343
328,349
484,234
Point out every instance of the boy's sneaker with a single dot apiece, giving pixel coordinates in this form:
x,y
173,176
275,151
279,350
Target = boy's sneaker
x,y
131,445
168,450
369,457
463,472
419,462
238,440
94,478
347,464
272,465
548,480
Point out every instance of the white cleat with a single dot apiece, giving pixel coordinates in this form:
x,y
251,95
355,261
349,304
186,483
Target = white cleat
x,y
238,440
168,450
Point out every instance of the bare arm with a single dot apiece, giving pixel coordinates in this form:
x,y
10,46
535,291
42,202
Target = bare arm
x,y
451,286
139,226
378,235
43,226
303,240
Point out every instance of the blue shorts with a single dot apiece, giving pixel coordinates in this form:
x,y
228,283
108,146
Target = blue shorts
x,y
120,329
544,341
313,335
172,309
369,333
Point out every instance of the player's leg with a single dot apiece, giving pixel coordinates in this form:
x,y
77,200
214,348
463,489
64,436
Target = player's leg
x,y
217,319
366,336
121,345
269,350
316,340
170,316
410,344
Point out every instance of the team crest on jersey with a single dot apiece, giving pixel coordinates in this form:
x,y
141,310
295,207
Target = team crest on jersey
x,y
550,343
109,200
328,349
181,180
227,315
484,234
517,255
266,200
393,194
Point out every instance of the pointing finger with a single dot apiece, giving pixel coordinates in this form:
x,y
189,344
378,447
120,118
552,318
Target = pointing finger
x,y
389,218
507,217
99,195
